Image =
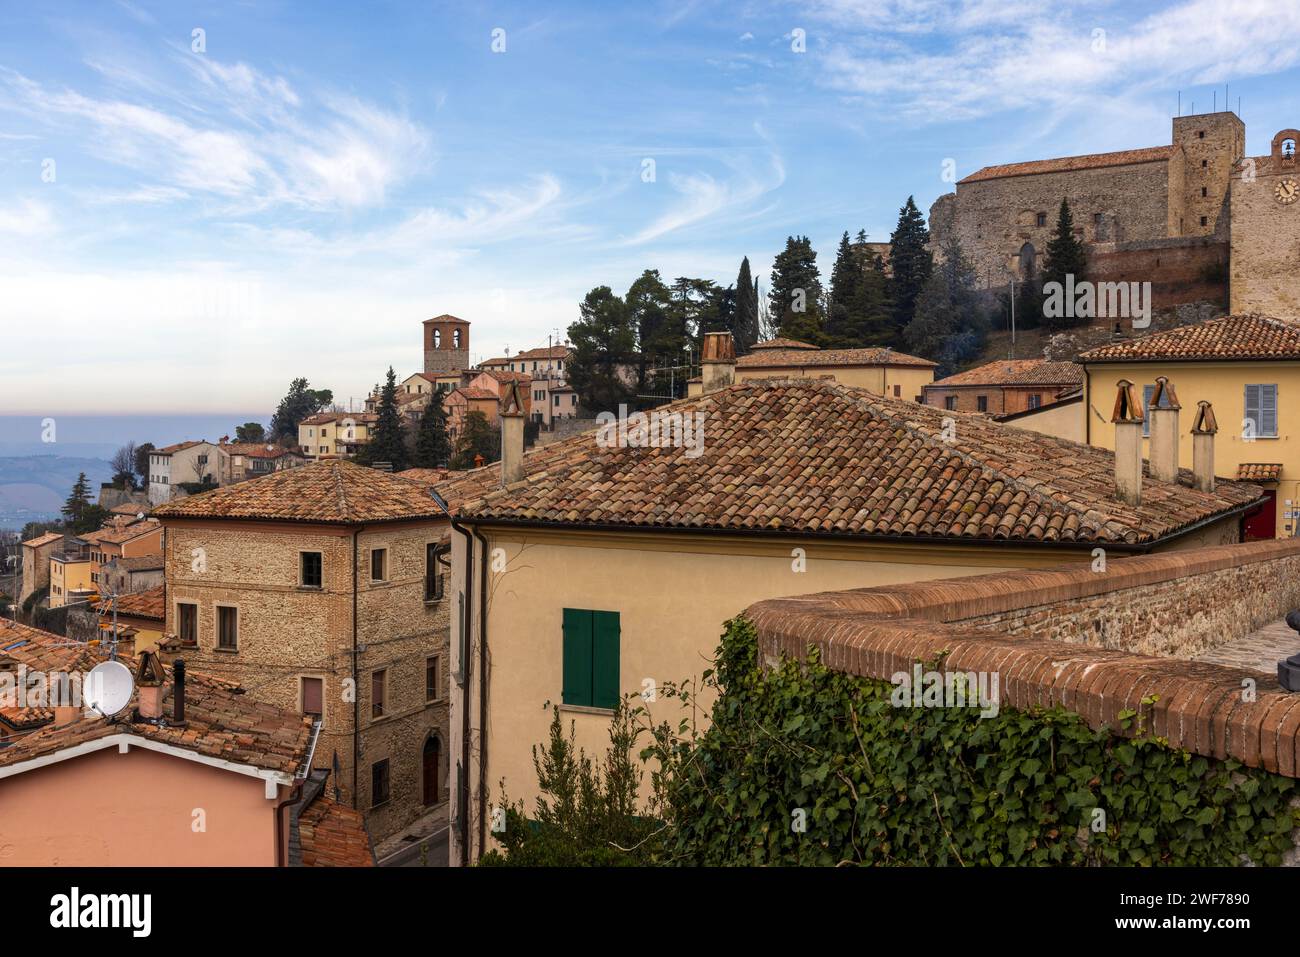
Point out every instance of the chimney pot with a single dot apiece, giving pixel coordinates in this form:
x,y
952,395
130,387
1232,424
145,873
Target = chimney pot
x,y
1127,418
1203,431
718,361
1164,410
149,680
512,435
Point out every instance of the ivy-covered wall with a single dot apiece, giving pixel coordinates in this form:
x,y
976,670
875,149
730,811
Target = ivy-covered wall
x,y
805,765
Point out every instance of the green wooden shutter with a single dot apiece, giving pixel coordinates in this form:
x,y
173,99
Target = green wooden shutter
x,y
577,657
605,664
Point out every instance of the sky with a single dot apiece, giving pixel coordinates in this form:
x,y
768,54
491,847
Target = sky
x,y
202,201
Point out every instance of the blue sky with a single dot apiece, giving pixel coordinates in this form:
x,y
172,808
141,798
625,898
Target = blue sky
x,y
185,231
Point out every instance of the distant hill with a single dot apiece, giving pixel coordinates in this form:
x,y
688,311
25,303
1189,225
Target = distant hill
x,y
34,487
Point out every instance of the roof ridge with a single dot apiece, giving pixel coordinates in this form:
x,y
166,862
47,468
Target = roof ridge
x,y
336,470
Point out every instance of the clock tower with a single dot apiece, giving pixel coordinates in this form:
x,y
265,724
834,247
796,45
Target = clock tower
x,y
1265,237
446,344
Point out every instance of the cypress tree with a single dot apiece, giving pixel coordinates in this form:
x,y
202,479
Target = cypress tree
x,y
386,443
432,446
796,295
77,502
745,332
910,258
846,277
1065,256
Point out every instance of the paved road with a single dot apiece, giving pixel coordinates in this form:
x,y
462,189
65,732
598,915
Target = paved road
x,y
410,856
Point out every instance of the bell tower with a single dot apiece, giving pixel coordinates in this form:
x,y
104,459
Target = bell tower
x,y
446,344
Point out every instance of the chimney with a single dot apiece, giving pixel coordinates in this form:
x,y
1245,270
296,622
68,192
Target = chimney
x,y
1203,430
1164,431
512,436
1127,418
718,359
149,679
178,692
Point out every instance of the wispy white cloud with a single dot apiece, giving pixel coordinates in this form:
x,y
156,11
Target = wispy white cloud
x,y
26,219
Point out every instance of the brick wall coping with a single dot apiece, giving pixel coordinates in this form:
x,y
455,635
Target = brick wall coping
x,y
877,632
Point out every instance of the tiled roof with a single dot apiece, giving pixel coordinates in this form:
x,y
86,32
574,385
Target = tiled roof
x,y
257,450
324,418
1259,472
178,447
423,476
445,317
475,392
149,604
126,533
495,361
138,563
221,722
42,540
1228,337
332,492
816,457
782,344
545,352
769,358
1070,163
1014,372
332,835
131,508
503,375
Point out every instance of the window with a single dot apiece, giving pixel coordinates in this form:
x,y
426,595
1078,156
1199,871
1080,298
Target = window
x,y
1204,163
1205,221
188,624
1041,219
378,563
981,403
432,574
1096,220
313,696
591,658
950,403
898,392
311,569
1261,409
1035,401
431,678
1205,191
1200,134
379,783
227,628
378,687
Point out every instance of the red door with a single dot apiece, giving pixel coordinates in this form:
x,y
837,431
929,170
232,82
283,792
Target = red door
x,y
432,754
1261,524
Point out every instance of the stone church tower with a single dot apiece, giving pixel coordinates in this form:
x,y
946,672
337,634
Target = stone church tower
x,y
446,344
1266,230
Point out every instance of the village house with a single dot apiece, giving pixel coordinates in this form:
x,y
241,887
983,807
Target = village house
x,y
183,464
802,485
1004,386
320,589
191,773
123,576
138,617
461,402
882,371
137,540
245,460
72,572
1246,367
328,435
36,563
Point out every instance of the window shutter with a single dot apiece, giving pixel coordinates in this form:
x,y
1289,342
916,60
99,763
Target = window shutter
x,y
312,695
1268,410
605,663
577,657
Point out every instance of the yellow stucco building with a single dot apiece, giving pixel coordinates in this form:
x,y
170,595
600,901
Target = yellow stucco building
x,y
882,371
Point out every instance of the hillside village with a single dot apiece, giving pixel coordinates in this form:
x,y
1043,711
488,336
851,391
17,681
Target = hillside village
x,y
351,630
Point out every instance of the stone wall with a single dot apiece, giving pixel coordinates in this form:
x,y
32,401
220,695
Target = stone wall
x,y
1180,270
1266,235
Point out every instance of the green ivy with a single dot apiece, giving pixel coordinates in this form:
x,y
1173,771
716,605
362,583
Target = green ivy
x,y
878,784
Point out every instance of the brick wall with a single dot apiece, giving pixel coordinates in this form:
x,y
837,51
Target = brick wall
x,y
1094,642
1193,269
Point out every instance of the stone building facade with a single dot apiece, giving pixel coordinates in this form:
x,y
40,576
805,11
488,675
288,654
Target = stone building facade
x,y
446,344
1266,231
341,617
1005,215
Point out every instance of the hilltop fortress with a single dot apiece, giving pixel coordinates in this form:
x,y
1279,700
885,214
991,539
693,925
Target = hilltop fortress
x,y
1198,218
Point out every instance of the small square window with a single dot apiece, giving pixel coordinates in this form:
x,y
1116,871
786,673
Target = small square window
x,y
378,564
1205,221
379,783
311,569
1204,163
1042,219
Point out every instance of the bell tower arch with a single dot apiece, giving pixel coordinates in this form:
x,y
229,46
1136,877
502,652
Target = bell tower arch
x,y
446,344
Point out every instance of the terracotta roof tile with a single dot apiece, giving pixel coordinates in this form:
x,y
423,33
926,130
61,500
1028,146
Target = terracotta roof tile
x,y
131,508
447,317
324,418
178,447
138,563
333,836
332,492
770,358
815,457
545,352
423,476
1259,472
779,343
1014,372
42,540
475,392
1148,154
149,604
258,450
125,533
1228,337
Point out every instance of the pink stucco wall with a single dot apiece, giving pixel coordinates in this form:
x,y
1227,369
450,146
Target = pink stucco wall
x,y
135,809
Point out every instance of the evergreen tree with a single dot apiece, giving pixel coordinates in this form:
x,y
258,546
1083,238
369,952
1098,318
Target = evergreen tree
x,y
603,341
386,441
250,432
477,437
796,295
1065,256
78,501
846,276
300,402
142,453
745,330
911,261
949,325
432,446
1029,301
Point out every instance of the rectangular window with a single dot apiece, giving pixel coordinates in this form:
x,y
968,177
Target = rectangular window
x,y
982,403
313,696
188,625
1261,409
898,392
432,574
431,678
378,688
1205,221
591,658
1042,219
227,628
1035,401
379,783
311,569
378,561
950,402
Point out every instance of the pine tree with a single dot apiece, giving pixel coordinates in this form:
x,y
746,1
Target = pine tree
x,y
950,324
603,341
300,402
386,441
432,446
796,295
1065,257
78,501
846,277
911,261
745,331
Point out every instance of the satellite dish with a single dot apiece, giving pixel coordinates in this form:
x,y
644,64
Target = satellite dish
x,y
108,687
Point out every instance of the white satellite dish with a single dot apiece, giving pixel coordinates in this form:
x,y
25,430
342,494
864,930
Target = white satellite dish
x,y
107,687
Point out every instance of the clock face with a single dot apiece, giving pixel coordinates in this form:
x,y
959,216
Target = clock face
x,y
1287,192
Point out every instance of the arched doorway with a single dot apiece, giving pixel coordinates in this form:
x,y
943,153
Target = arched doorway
x,y
432,761
1027,261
